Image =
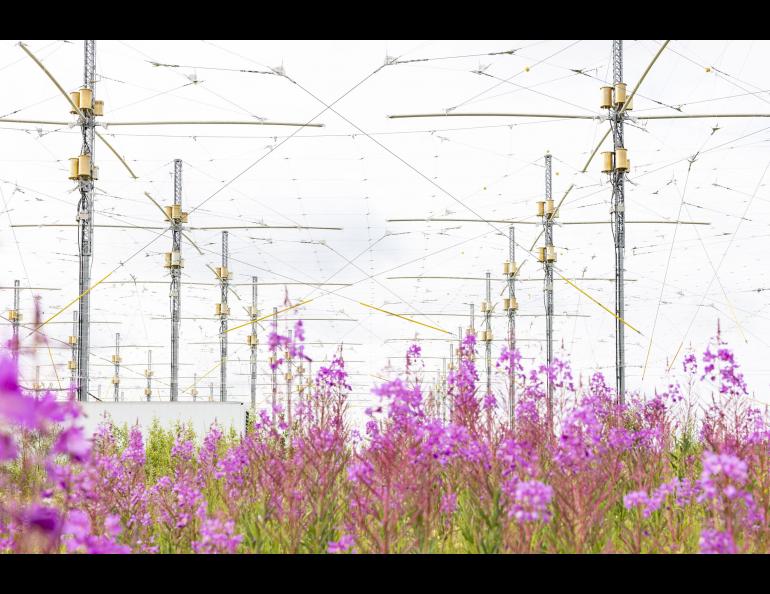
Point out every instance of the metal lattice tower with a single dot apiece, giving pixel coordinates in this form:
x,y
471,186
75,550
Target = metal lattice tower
x,y
15,320
273,378
73,363
447,401
442,401
148,374
300,382
253,314
510,272
224,311
175,293
288,381
116,361
619,224
85,224
459,360
548,288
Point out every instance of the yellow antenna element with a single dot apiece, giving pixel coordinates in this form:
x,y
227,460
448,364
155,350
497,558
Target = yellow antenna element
x,y
390,313
250,322
644,75
53,364
599,304
654,59
75,107
675,356
201,377
75,300
114,152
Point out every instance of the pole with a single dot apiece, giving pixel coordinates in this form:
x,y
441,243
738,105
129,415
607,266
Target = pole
x,y
273,378
148,373
548,265
223,277
443,390
15,320
85,221
73,364
194,391
175,293
288,382
253,342
116,361
618,219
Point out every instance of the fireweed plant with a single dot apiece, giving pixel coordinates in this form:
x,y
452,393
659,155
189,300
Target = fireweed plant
x,y
427,473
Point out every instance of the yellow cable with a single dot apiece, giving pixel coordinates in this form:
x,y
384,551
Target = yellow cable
x,y
203,376
75,300
267,316
50,354
390,313
599,304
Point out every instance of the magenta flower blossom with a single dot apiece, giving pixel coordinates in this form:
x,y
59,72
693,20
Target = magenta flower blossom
x,y
344,544
636,499
78,537
43,518
716,542
8,448
448,503
72,441
722,471
217,536
528,500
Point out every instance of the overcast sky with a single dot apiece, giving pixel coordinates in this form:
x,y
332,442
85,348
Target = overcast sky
x,y
361,169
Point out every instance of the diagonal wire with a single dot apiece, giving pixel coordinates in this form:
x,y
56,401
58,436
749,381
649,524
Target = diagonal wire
x,y
432,182
721,261
299,128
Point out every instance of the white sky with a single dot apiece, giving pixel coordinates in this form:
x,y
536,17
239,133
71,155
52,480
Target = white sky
x,y
337,176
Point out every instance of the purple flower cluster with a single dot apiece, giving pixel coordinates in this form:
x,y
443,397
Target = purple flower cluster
x,y
528,500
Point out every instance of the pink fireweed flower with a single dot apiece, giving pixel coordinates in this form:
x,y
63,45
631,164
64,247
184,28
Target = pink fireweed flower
x,y
519,459
448,503
690,364
344,544
73,442
636,499
528,500
134,452
722,471
412,355
8,448
361,472
42,518
217,536
79,538
717,542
